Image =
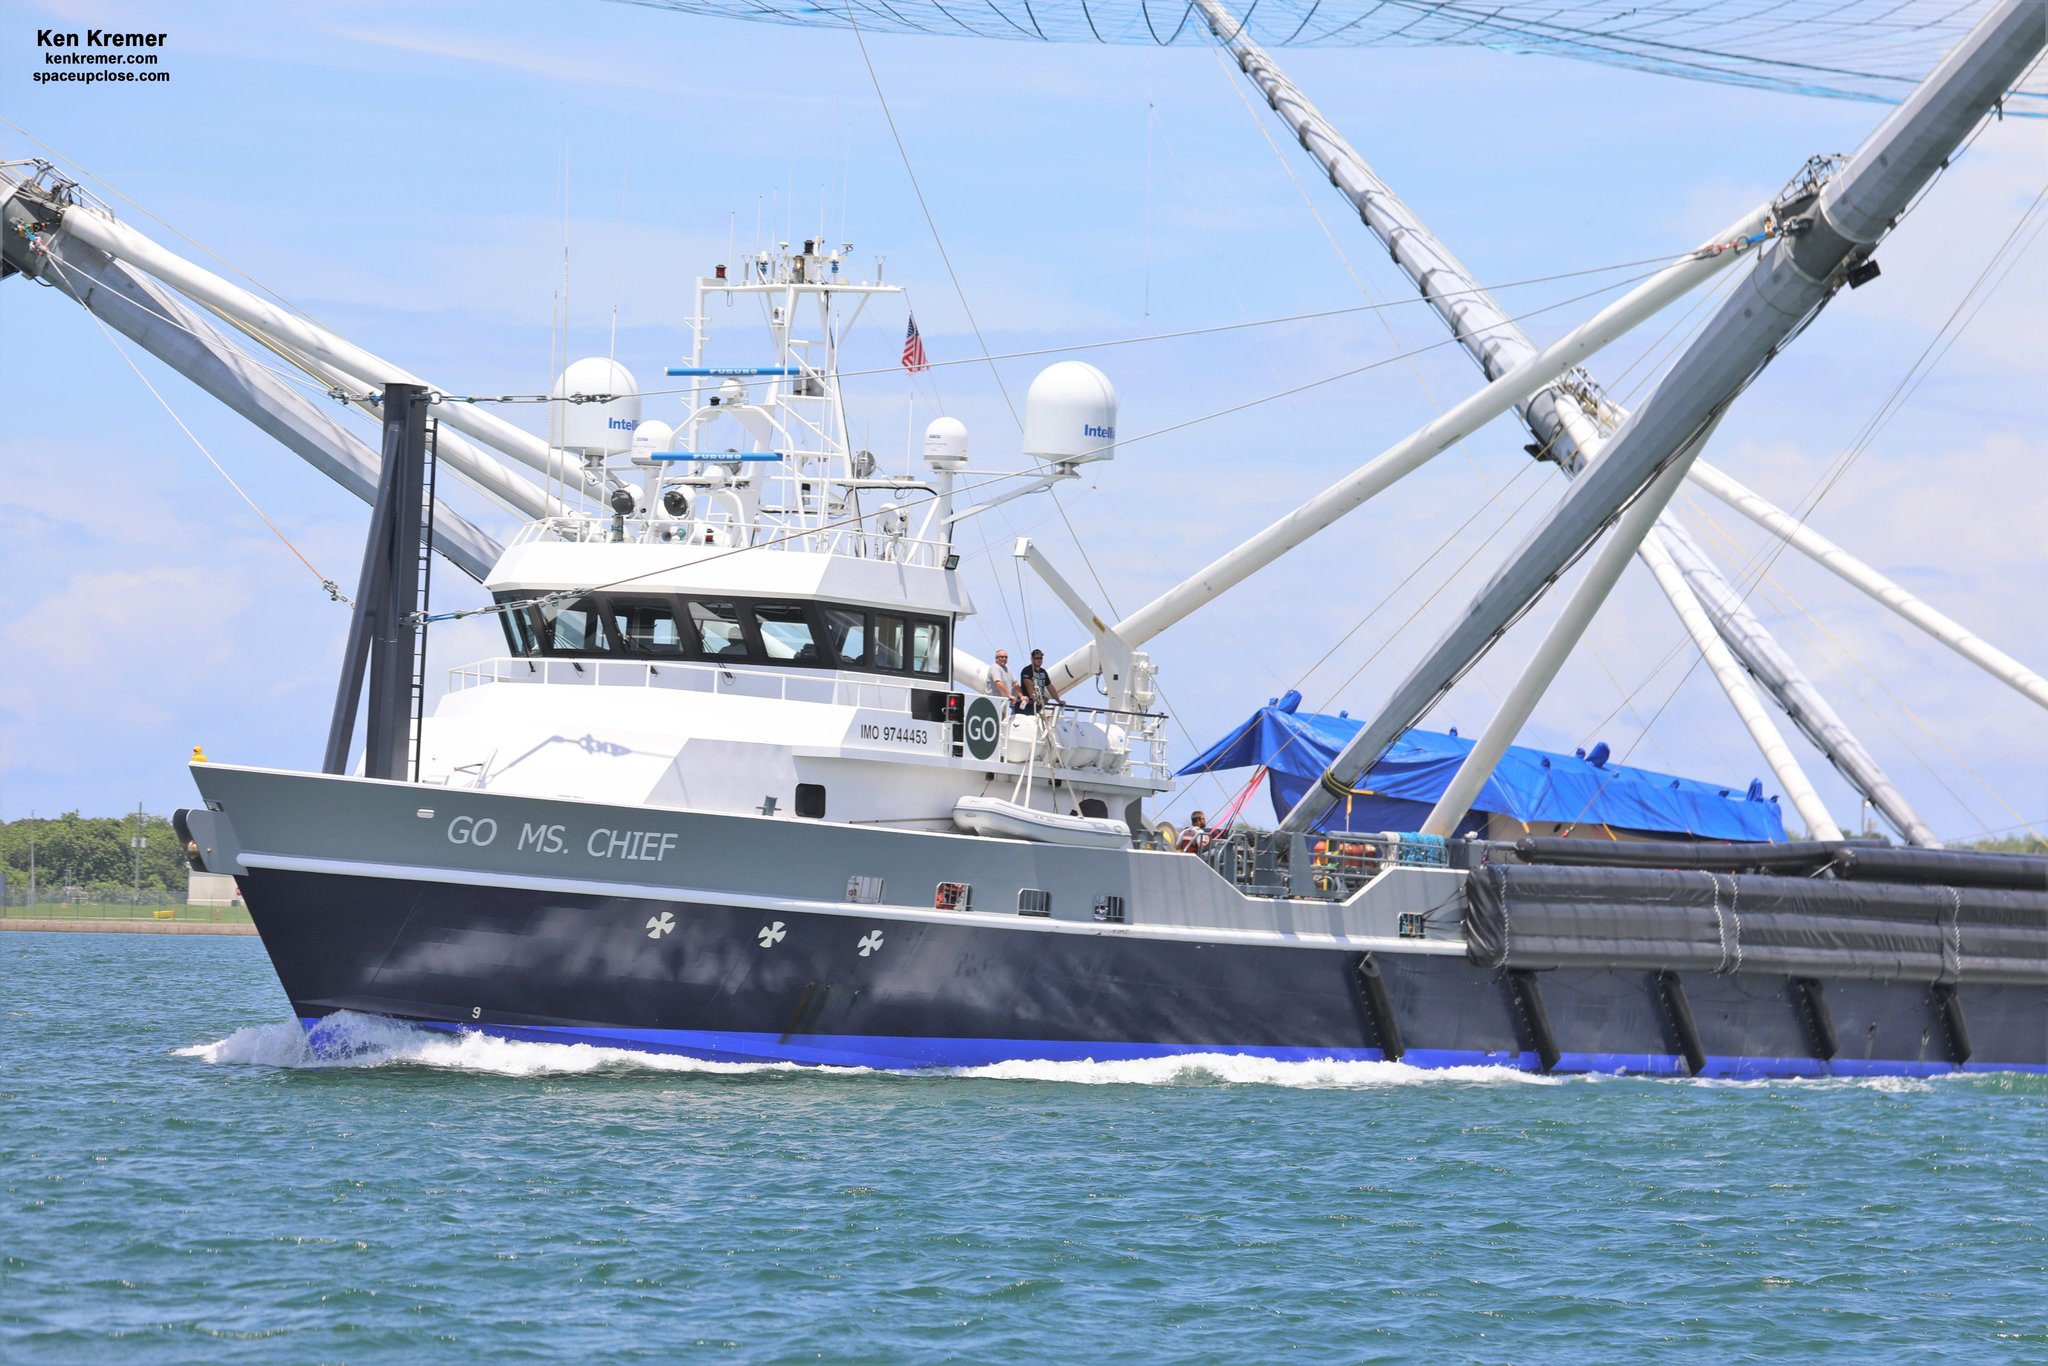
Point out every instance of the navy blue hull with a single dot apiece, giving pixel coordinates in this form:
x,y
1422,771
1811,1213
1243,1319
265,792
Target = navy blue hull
x,y
741,984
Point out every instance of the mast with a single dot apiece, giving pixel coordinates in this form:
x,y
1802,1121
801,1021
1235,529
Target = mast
x,y
1565,432
1562,417
1794,277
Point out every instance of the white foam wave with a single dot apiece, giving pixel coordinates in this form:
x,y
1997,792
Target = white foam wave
x,y
1235,1069
348,1040
1883,1083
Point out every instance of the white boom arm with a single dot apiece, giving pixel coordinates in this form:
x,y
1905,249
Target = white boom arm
x,y
1563,420
1566,432
164,325
1855,572
481,469
1632,535
122,242
1794,279
1464,418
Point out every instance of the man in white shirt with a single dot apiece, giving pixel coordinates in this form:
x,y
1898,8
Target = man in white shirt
x,y
996,681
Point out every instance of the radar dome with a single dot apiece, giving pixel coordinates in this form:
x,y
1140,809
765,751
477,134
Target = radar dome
x,y
945,444
1070,414
651,437
598,428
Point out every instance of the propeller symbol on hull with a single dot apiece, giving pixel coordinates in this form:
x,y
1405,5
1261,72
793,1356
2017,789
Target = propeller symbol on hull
x,y
771,935
869,942
659,925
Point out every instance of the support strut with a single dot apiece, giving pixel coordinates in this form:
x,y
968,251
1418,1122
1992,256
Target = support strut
x,y
383,635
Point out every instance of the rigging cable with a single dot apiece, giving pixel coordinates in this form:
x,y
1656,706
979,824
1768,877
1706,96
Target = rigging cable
x,y
1184,423
333,589
1759,563
1231,73
1931,355
1534,462
1228,281
1449,579
1210,330
203,338
1908,384
930,222
959,290
168,225
852,519
1828,637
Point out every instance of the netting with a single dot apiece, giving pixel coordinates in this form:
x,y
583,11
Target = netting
x,y
1844,49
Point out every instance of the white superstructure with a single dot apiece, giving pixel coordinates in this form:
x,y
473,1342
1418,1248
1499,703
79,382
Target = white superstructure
x,y
765,622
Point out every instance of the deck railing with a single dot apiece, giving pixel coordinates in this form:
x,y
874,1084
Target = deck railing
x,y
682,675
855,541
1324,866
1145,737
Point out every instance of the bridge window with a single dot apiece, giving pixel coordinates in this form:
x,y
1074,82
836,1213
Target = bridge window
x,y
520,637
786,632
846,633
717,630
928,647
888,649
572,627
646,626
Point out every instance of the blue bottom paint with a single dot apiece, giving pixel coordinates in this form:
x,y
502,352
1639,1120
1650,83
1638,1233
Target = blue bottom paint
x,y
885,1053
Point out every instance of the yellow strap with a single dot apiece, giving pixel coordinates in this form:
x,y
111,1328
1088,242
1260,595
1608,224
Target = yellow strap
x,y
1329,783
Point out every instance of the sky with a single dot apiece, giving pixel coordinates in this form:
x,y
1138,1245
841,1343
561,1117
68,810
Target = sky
x,y
414,176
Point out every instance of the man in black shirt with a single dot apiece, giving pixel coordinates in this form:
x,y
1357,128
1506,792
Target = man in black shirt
x,y
1042,690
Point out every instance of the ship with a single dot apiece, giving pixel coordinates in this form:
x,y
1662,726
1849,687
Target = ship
x,y
733,789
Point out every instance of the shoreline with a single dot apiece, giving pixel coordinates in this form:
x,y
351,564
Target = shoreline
x,y
110,926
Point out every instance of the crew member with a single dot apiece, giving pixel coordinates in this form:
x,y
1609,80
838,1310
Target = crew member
x,y
1196,837
996,681
1040,680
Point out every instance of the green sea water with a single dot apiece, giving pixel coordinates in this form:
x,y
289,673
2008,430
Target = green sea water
x,y
180,1180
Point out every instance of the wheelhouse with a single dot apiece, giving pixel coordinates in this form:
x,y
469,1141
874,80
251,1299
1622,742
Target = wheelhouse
x,y
730,629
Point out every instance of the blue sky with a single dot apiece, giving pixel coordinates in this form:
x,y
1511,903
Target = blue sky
x,y
398,171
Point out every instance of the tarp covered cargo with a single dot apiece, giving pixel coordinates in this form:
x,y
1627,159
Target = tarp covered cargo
x,y
1533,787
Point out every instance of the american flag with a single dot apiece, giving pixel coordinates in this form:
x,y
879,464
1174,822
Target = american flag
x,y
913,349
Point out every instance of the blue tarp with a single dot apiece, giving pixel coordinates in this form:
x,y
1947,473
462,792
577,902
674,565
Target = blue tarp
x,y
1532,786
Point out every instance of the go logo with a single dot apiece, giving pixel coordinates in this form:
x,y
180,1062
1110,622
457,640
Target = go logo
x,y
983,727
475,830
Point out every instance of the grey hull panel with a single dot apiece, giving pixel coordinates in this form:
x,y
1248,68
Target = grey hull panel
x,y
738,938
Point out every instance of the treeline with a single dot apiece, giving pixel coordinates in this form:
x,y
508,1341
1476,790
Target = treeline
x,y
92,855
2011,844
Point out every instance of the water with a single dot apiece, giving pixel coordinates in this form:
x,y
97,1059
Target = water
x,y
181,1178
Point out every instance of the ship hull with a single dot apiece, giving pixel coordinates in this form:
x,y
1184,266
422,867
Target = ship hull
x,y
747,984
750,939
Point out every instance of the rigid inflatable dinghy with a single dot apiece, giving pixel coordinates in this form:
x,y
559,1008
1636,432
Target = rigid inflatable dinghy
x,y
1010,820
